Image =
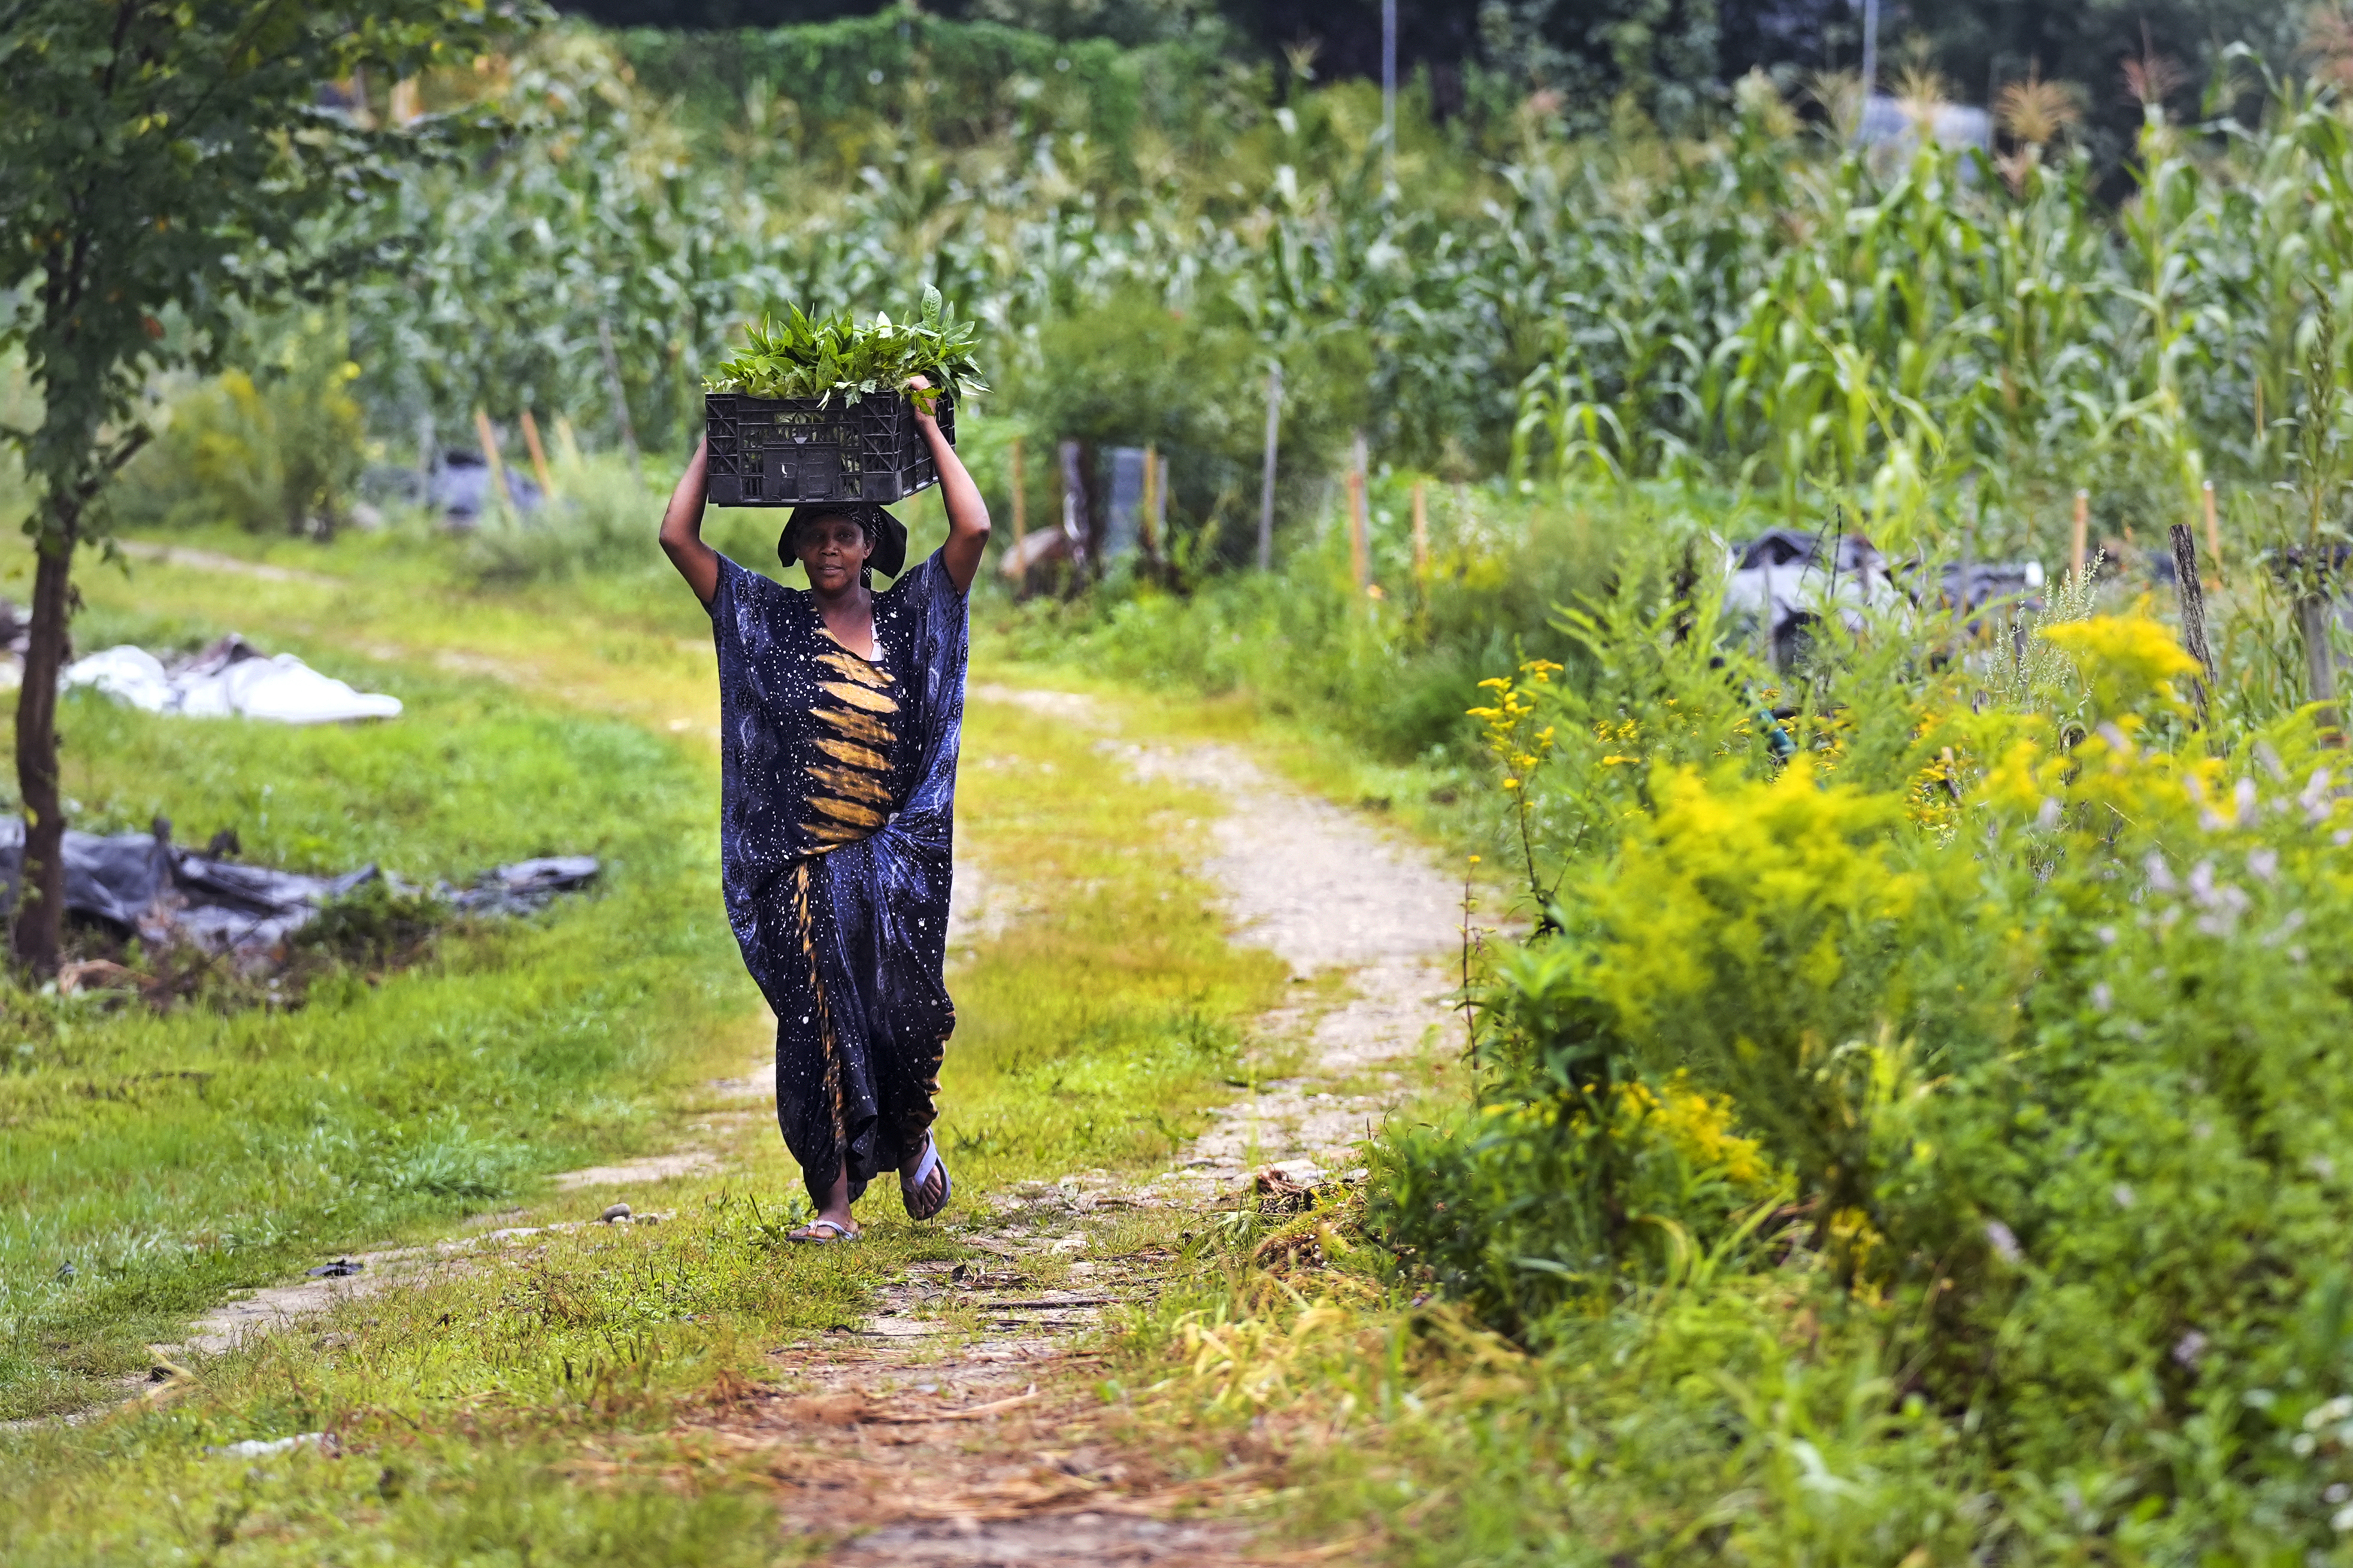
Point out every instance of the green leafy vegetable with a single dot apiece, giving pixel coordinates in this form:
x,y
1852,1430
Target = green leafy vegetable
x,y
839,354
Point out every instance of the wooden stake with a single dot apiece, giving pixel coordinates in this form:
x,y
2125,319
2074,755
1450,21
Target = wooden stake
x,y
1020,499
2314,616
1146,516
1159,502
619,395
2083,533
1420,532
567,444
1360,558
2213,536
1266,481
2193,615
490,439
538,455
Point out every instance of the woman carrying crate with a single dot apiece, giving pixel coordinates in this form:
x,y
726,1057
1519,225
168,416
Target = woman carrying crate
x,y
841,711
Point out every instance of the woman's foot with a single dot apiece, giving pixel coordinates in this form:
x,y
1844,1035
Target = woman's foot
x,y
924,1183
833,1222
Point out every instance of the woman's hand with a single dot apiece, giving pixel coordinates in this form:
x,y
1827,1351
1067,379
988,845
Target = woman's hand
x,y
926,401
967,514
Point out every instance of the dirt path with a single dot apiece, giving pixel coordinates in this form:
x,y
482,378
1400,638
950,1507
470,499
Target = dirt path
x,y
208,560
960,1427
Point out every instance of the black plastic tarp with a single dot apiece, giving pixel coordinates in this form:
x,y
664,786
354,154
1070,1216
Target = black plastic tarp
x,y
141,884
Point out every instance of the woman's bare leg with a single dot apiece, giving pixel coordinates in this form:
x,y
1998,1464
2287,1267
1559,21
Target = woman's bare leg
x,y
834,1212
836,1208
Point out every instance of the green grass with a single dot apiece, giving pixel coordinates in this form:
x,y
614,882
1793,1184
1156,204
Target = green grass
x,y
1093,1032
167,1158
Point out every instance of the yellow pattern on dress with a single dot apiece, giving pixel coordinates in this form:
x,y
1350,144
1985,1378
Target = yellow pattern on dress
x,y
856,696
858,670
847,811
856,756
857,726
854,785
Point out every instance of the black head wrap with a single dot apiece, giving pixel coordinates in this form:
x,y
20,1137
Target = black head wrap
x,y
889,534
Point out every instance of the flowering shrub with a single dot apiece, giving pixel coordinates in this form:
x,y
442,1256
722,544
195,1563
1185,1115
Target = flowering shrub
x,y
2043,1020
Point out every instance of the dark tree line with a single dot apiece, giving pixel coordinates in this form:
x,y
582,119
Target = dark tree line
x,y
1688,46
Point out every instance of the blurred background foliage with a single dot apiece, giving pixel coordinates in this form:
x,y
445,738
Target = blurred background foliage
x,y
1567,308
1911,1128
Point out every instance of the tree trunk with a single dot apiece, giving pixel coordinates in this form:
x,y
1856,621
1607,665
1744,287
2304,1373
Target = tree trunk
x,y
40,900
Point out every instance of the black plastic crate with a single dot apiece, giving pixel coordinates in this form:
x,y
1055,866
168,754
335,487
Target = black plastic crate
x,y
782,451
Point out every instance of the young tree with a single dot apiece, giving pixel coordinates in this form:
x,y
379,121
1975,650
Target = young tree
x,y
167,162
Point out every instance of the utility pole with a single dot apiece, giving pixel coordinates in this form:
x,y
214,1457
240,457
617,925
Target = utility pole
x,y
1388,95
1266,484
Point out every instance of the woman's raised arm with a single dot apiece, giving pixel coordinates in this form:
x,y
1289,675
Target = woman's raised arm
x,y
682,529
967,513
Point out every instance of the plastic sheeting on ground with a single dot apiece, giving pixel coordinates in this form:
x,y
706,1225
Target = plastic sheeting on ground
x,y
141,884
232,678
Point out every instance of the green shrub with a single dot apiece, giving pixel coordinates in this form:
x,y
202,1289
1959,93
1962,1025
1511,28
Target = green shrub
x,y
2045,1026
1390,673
601,521
274,446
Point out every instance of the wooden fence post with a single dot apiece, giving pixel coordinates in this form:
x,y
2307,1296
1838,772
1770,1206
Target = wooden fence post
x,y
1020,499
2077,554
2193,615
620,396
2314,615
538,455
1158,511
1421,535
497,495
1147,519
1360,559
1266,481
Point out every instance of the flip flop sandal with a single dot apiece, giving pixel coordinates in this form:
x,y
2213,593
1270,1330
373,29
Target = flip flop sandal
x,y
911,1189
808,1234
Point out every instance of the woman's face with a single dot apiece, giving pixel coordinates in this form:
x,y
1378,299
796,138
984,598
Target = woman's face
x,y
832,551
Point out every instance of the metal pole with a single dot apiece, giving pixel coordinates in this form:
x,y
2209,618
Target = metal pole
x,y
1266,485
1389,93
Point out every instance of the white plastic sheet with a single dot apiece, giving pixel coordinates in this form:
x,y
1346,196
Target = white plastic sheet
x,y
283,688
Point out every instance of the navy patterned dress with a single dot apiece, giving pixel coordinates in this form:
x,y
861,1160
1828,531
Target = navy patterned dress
x,y
836,819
